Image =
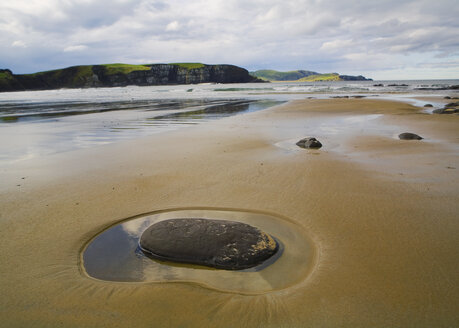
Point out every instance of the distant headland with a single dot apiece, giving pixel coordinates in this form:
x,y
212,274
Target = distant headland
x,y
304,76
120,75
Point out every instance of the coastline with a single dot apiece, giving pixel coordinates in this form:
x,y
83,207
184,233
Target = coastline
x,y
381,212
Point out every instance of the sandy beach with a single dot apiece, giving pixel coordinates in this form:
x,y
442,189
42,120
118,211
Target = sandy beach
x,y
381,215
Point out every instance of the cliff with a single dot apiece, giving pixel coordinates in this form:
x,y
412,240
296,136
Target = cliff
x,y
119,75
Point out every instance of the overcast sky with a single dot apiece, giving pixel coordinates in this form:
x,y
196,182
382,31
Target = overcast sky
x,y
381,39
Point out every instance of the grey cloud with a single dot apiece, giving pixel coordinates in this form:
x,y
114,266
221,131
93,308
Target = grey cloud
x,y
278,34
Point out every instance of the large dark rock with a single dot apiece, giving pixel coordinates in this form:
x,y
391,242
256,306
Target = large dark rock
x,y
216,243
309,143
409,136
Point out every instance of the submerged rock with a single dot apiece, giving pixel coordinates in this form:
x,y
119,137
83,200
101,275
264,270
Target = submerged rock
x,y
309,143
446,111
409,136
220,244
450,108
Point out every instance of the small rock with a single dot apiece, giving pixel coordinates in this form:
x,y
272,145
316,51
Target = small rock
x,y
409,136
219,244
309,143
428,105
447,97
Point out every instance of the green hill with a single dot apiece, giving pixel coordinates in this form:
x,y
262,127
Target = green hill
x,y
303,76
272,75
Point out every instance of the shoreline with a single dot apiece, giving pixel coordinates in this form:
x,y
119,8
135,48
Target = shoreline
x,y
383,217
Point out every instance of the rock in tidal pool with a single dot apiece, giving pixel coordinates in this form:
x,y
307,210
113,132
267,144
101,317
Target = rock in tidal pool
x,y
309,143
219,244
409,136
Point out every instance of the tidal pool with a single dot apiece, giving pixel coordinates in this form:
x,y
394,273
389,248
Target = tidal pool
x,y
114,254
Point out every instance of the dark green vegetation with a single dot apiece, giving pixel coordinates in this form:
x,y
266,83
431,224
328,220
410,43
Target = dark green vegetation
x,y
303,76
119,75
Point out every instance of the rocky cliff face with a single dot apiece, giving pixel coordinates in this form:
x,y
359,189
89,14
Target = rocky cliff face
x,y
100,76
173,74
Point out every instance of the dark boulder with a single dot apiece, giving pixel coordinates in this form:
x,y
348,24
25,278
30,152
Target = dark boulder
x,y
409,136
219,244
309,143
428,105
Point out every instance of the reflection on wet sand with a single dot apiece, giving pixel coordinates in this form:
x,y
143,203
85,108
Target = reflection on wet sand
x,y
114,255
43,128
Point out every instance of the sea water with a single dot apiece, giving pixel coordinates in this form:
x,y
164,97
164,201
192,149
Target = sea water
x,y
39,123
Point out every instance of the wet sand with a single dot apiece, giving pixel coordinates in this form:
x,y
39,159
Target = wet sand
x,y
381,213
